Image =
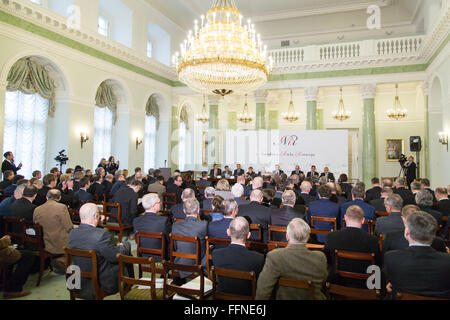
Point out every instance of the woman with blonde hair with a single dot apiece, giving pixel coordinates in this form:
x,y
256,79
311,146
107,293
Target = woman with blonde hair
x,y
223,189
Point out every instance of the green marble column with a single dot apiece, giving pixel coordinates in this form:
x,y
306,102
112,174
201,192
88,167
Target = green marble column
x,y
426,143
369,142
260,116
273,120
174,139
320,119
311,120
213,132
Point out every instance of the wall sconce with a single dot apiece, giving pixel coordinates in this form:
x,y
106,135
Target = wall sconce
x,y
84,137
139,141
443,138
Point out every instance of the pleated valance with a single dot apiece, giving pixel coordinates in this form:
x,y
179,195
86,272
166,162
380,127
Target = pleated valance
x,y
105,98
30,77
184,117
152,109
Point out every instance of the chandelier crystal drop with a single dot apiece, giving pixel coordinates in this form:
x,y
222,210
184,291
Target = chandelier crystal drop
x,y
291,115
223,55
245,116
397,112
341,114
203,117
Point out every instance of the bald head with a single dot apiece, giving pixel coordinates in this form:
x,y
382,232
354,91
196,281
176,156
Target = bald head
x,y
257,182
239,230
256,195
89,214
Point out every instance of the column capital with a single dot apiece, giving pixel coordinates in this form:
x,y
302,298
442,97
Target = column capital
x,y
261,96
214,100
368,90
311,93
424,87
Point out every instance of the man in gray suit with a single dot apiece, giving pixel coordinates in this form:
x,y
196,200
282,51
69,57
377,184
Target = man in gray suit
x,y
393,204
190,227
295,261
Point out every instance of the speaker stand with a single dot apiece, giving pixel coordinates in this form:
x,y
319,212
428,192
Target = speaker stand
x,y
418,164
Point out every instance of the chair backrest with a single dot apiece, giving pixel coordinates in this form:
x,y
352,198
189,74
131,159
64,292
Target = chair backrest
x,y
193,256
207,211
17,235
99,294
370,225
107,213
323,219
407,296
126,283
37,239
210,243
150,235
348,293
298,284
196,270
234,274
280,229
359,256
169,199
382,214
381,238
256,227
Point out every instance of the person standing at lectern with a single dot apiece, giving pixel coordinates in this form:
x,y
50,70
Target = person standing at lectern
x,y
8,163
410,170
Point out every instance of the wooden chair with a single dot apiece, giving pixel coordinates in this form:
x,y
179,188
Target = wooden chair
x,y
234,274
178,220
280,229
407,296
348,293
16,236
210,243
257,227
381,238
38,242
315,247
115,226
207,211
159,252
168,200
99,294
323,219
196,270
192,256
370,225
341,254
126,284
298,284
382,214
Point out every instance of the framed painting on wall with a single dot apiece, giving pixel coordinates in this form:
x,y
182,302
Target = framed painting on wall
x,y
394,149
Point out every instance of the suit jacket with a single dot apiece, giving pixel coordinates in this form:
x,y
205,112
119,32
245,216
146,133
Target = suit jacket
x,y
193,228
419,270
177,212
227,174
173,188
294,261
297,172
378,204
5,183
116,186
237,257
5,207
6,165
330,176
346,190
218,229
407,196
443,207
258,214
158,188
395,240
23,209
56,223
128,200
436,214
97,189
9,190
83,195
373,194
278,172
351,239
107,186
203,183
307,198
326,209
241,201
369,211
390,223
281,217
410,172
151,222
238,172
310,174
87,237
219,173
41,196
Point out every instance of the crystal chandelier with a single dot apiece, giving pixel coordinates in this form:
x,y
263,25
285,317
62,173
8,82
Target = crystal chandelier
x,y
291,115
397,112
203,117
341,114
245,116
222,55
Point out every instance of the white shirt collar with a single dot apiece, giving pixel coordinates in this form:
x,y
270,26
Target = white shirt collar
x,y
238,244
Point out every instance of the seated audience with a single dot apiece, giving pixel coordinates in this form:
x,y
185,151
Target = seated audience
x,y
415,188
257,213
88,237
237,257
296,262
107,184
50,181
177,211
218,229
16,181
426,185
419,269
119,182
394,205
238,192
37,175
203,182
175,187
6,204
345,186
268,197
97,190
358,194
281,217
378,204
23,208
56,223
353,239
223,189
152,222
157,187
82,194
216,206
210,193
257,184
8,177
336,194
375,192
443,202
424,200
189,183
77,176
305,188
127,197
402,191
247,189
323,208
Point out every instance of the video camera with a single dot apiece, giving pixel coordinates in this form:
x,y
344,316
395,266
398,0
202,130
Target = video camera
x,y
62,158
402,160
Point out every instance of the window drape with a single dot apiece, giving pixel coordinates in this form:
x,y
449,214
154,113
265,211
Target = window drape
x,y
152,109
105,98
182,146
103,124
150,143
184,117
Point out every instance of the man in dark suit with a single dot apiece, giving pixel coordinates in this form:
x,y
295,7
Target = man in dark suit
x,y
8,164
378,204
190,227
218,229
16,181
443,202
257,213
177,211
119,183
424,200
323,208
203,182
297,171
419,269
281,217
215,171
237,257
426,185
6,204
108,183
239,171
358,194
176,188
410,170
251,174
278,170
312,173
96,188
329,175
305,188
247,189
210,193
50,181
351,238
8,176
395,240
406,194
152,222
375,192
394,205
227,173
88,237
23,208
127,197
82,194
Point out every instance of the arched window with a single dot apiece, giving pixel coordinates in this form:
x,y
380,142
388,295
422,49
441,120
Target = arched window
x,y
28,101
104,119
183,130
151,130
